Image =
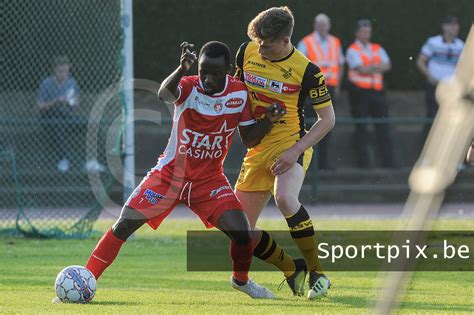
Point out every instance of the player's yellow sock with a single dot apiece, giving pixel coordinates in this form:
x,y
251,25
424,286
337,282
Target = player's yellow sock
x,y
302,231
268,250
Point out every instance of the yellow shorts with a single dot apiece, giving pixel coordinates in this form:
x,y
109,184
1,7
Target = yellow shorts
x,y
255,173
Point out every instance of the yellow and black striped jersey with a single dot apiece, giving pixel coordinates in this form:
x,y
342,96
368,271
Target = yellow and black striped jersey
x,y
288,82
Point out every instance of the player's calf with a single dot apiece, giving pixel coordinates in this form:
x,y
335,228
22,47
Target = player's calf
x,y
111,242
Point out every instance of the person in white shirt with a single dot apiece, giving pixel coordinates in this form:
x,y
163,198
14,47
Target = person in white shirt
x,y
437,61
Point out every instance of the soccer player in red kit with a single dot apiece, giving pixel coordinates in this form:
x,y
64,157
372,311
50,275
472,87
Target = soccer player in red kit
x,y
208,109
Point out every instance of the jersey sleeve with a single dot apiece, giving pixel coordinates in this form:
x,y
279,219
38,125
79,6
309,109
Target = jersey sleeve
x,y
185,87
353,59
239,62
427,49
246,118
315,85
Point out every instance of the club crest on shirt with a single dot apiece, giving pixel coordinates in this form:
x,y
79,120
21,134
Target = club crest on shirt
x,y
218,105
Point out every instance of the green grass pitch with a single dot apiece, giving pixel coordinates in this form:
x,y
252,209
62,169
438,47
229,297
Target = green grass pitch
x,y
149,276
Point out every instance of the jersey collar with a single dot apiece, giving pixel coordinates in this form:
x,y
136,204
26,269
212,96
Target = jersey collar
x,y
287,57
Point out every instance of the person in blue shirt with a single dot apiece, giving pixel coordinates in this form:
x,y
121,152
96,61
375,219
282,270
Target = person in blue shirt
x,y
57,96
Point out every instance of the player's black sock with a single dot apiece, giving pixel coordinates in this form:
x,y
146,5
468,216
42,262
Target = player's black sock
x,y
268,250
302,232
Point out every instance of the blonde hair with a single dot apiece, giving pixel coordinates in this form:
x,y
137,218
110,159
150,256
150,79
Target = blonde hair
x,y
273,23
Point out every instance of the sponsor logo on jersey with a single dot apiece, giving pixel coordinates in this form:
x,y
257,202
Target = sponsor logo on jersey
x,y
320,77
210,145
215,192
275,86
261,65
283,88
152,196
201,102
234,102
290,88
255,80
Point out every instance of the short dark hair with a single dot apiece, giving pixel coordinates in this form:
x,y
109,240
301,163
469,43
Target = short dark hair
x,y
215,49
363,23
274,23
450,19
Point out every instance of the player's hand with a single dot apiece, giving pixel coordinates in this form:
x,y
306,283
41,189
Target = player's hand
x,y
274,112
285,161
188,57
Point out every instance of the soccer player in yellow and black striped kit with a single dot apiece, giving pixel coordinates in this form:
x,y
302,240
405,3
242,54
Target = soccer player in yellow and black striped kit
x,y
276,72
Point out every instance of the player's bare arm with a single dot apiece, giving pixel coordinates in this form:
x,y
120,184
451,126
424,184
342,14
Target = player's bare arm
x,y
326,121
169,88
422,64
47,105
253,134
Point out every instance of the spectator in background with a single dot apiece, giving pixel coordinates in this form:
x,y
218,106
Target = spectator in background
x,y
57,96
437,61
367,62
324,50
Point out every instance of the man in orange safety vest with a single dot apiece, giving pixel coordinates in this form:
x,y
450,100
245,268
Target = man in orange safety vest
x,y
367,62
324,50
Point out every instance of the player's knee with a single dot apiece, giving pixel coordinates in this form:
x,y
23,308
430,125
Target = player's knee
x,y
123,228
286,202
241,237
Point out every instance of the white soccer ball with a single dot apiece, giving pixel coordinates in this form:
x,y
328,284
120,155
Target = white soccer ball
x,y
75,284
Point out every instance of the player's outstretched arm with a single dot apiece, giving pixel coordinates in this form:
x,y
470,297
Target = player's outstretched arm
x,y
252,135
169,88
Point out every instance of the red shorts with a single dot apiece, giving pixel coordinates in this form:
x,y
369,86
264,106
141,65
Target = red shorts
x,y
158,194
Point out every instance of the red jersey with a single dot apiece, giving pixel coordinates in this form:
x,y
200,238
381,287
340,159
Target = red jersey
x,y
203,126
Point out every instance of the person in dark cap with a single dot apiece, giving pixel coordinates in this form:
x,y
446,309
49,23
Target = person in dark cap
x,y
437,61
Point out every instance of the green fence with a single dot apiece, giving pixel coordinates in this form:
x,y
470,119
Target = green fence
x,y
49,125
